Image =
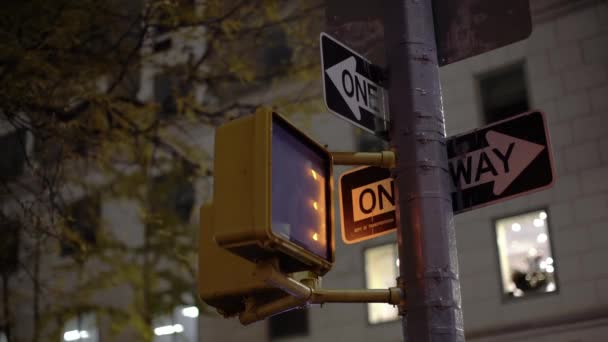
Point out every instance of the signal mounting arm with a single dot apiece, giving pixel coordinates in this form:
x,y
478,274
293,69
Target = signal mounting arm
x,y
301,294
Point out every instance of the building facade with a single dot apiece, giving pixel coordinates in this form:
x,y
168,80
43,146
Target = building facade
x,y
531,268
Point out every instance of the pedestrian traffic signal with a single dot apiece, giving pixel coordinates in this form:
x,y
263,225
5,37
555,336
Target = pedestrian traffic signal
x,y
273,194
272,217
225,280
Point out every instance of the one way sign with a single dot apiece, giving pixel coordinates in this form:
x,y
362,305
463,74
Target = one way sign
x,y
488,165
351,87
503,160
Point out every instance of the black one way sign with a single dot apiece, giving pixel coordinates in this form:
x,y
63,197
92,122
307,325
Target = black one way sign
x,y
351,87
500,161
507,159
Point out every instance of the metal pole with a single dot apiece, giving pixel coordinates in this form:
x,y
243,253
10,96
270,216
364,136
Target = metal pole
x,y
426,237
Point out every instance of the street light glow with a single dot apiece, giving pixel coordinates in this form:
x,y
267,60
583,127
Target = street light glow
x,y
168,329
191,311
74,335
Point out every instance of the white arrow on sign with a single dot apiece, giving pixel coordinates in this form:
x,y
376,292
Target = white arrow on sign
x,y
501,162
356,89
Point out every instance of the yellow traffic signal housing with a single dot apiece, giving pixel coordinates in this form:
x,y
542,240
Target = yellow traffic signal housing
x,y
271,217
273,194
225,280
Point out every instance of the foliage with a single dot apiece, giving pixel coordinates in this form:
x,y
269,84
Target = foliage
x,y
76,77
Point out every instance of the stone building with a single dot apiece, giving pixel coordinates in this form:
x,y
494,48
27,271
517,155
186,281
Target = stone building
x,y
532,268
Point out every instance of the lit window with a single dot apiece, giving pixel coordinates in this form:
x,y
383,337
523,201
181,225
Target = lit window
x,y
526,260
180,326
81,328
504,93
381,271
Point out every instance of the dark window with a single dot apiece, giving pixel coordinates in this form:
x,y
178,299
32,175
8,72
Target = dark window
x,y
504,93
172,196
82,223
162,44
166,90
9,246
163,93
12,155
49,151
277,52
368,142
290,323
167,15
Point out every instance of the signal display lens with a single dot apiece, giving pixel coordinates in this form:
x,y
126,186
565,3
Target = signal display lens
x,y
299,191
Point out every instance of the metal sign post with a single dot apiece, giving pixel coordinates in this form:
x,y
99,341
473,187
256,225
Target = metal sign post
x,y
426,237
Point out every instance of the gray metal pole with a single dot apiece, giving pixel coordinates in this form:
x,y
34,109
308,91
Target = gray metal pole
x,y
426,237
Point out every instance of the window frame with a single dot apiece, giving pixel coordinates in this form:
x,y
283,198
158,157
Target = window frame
x,y
364,274
504,297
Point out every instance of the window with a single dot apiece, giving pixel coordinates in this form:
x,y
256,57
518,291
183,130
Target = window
x,y
504,93
524,250
12,152
3,337
381,272
162,44
180,326
166,91
172,195
81,328
167,15
288,324
82,224
9,246
276,53
49,151
368,142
